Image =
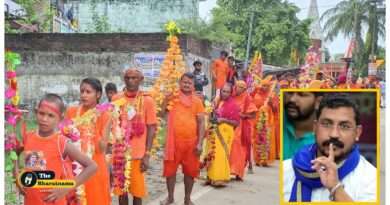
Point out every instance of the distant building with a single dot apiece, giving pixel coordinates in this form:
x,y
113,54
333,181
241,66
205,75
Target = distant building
x,y
316,32
13,13
16,16
135,16
62,23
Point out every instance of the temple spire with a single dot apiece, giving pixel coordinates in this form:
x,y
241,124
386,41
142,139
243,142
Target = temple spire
x,y
315,27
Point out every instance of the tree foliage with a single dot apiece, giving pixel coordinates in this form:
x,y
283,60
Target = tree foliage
x,y
276,28
349,17
36,12
100,22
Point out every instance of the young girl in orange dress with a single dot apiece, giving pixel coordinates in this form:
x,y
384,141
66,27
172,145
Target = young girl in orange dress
x,y
47,150
94,128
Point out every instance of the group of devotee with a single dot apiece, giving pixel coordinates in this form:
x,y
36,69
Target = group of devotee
x,y
237,130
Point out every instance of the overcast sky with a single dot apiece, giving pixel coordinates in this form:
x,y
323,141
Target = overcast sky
x,y
339,45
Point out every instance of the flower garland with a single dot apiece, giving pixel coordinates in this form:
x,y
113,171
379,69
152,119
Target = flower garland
x,y
211,137
118,150
119,164
127,172
69,129
12,116
123,130
262,141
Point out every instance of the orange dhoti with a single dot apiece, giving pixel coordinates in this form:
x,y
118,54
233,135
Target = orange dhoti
x,y
185,156
137,180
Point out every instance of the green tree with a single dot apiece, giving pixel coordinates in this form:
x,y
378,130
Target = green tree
x,y
327,54
276,29
100,22
381,53
376,28
36,12
348,18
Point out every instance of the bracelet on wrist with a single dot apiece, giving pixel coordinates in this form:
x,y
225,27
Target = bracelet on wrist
x,y
333,191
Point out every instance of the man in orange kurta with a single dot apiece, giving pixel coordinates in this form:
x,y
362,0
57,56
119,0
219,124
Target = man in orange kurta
x,y
143,121
240,154
184,139
220,71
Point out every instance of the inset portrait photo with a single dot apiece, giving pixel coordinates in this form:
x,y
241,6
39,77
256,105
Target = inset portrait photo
x,y
330,150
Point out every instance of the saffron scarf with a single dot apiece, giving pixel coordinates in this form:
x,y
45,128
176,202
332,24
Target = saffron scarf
x,y
307,179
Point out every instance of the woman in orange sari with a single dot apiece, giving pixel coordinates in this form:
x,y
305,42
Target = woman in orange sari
x,y
94,127
240,154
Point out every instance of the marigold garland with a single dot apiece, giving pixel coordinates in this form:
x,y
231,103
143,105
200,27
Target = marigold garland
x,y
171,70
262,141
211,146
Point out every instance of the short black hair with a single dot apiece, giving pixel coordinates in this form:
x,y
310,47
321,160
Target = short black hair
x,y
188,75
337,100
53,98
230,58
197,62
224,53
110,87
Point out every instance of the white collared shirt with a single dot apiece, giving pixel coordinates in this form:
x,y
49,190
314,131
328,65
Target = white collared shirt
x,y
360,184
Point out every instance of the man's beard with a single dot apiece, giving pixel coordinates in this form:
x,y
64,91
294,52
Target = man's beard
x,y
301,116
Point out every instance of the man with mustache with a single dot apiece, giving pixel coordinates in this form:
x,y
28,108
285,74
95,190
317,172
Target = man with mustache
x,y
299,114
185,132
332,169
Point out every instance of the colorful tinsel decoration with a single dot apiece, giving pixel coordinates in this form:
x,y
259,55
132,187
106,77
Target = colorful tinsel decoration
x,y
12,116
262,141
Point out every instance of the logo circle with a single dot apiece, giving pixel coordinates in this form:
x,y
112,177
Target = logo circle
x,y
28,179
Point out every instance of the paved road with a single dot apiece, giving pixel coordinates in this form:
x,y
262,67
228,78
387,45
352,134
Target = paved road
x,y
262,185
